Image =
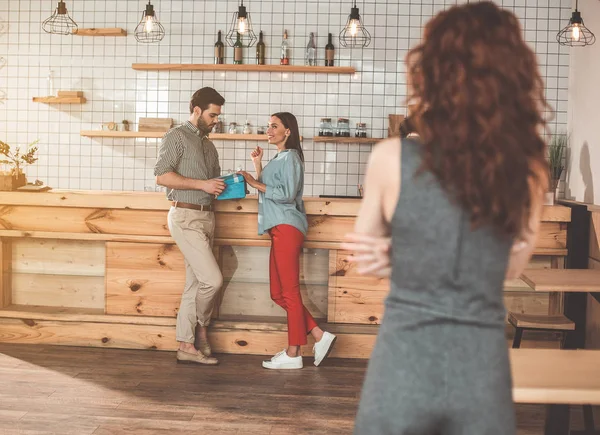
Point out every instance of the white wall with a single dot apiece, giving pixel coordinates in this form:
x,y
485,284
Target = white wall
x,y
583,166
101,68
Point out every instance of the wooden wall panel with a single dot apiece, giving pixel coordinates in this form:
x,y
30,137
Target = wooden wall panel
x,y
58,273
357,299
148,279
254,299
595,235
162,337
143,279
59,257
5,272
552,235
76,291
321,228
84,220
251,264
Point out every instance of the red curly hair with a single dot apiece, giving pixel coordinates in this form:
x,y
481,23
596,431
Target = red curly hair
x,y
479,104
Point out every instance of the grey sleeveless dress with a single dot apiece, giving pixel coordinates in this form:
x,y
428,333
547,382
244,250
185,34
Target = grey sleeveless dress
x,y
440,365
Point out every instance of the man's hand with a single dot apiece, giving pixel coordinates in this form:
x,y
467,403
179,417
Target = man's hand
x,y
214,186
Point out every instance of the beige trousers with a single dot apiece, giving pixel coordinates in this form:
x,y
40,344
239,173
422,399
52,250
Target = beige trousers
x,y
193,231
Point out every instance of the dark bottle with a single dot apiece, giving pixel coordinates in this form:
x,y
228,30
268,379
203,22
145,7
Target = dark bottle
x,y
260,50
329,52
238,51
219,50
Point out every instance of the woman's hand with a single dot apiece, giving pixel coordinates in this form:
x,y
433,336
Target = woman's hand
x,y
249,178
370,253
256,155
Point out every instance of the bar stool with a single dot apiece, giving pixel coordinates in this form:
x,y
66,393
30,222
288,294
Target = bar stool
x,y
535,322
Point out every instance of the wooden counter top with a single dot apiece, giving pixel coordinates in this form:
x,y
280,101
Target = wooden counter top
x,y
157,201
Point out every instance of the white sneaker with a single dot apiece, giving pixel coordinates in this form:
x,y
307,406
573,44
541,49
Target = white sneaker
x,y
322,348
282,361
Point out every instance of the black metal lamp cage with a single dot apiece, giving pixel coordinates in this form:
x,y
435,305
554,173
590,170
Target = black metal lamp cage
x,y
60,23
242,24
149,29
354,33
575,34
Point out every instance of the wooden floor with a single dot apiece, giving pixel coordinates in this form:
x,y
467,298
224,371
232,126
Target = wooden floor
x,y
67,390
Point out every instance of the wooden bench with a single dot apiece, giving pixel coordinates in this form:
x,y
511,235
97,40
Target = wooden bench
x,y
557,378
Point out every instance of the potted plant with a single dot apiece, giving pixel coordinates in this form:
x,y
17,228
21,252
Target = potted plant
x,y
12,176
556,152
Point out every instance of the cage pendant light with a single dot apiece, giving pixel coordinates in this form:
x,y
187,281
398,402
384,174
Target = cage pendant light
x,y
242,24
354,33
575,34
60,23
149,29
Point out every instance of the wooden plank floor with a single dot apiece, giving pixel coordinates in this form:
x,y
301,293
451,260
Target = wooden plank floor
x,y
69,390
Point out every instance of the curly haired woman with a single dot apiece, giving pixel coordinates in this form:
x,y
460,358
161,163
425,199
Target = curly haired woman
x,y
462,204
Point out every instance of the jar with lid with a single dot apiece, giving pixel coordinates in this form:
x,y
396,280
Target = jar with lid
x,y
325,129
361,129
343,128
233,128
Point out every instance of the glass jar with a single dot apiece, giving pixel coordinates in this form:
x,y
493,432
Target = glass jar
x,y
325,129
233,128
361,129
343,128
247,128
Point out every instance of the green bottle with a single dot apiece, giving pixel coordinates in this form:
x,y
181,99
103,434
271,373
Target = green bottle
x,y
238,51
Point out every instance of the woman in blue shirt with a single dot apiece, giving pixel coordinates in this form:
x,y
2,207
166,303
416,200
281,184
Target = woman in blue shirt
x,y
281,214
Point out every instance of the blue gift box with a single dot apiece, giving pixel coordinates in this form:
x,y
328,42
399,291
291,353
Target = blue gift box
x,y
235,187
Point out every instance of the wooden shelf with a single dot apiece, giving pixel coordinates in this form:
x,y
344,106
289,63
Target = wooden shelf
x,y
112,31
227,136
123,134
360,140
250,68
160,134
59,100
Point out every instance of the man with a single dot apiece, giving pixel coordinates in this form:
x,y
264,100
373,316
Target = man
x,y
188,165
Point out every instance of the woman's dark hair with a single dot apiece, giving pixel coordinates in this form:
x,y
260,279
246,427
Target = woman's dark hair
x,y
204,97
479,103
293,141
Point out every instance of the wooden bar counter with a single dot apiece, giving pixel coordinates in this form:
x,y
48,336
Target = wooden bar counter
x,y
99,268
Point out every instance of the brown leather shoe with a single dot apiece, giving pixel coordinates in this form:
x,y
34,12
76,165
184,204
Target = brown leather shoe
x,y
204,347
195,358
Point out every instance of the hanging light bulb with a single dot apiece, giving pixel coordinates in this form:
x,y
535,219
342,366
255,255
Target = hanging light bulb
x,y
354,33
576,34
241,24
60,23
149,28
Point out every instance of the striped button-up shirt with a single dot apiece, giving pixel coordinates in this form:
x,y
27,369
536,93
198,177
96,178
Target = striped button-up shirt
x,y
187,151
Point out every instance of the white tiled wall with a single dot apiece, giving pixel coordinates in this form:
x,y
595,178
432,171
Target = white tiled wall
x,y
101,67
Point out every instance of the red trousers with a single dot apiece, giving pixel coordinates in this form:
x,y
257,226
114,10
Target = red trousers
x,y
284,274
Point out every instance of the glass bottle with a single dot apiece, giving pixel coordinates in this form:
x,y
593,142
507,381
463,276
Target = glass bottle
x,y
343,128
311,51
247,128
238,51
219,50
50,84
329,52
285,50
233,128
260,50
